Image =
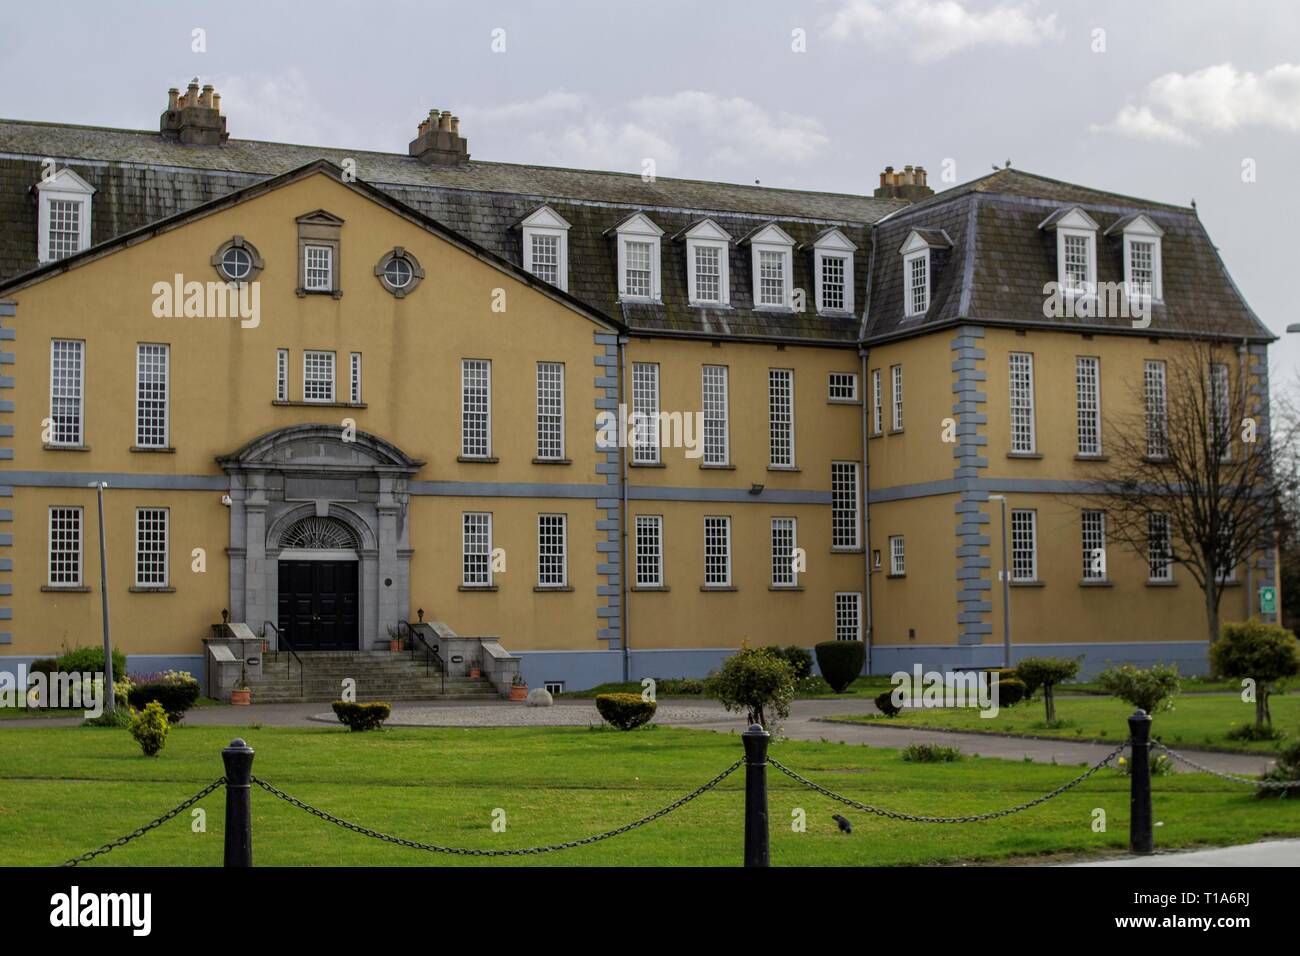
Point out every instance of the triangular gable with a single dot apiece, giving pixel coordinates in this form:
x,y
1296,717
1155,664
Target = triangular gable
x,y
1136,224
543,217
704,229
319,217
65,180
919,239
1069,217
637,224
832,239
769,233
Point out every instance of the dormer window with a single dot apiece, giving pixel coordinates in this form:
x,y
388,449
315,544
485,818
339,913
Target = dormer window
x,y
63,216
708,276
918,268
833,271
638,258
546,246
772,251
1076,250
1142,266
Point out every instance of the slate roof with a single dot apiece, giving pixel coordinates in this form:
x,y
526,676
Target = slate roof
x,y
1001,260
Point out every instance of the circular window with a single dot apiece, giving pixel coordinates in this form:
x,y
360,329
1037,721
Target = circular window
x,y
236,263
398,272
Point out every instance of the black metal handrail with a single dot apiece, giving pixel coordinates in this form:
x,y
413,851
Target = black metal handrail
x,y
280,638
430,653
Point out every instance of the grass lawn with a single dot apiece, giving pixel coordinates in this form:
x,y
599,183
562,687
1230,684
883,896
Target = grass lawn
x,y
65,790
1199,721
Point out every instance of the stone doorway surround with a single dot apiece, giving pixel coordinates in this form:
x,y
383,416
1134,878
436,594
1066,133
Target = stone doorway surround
x,y
360,481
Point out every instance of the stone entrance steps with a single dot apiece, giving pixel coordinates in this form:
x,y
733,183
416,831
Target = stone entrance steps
x,y
379,675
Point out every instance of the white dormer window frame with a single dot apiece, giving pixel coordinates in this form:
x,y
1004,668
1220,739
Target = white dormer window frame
x,y
766,242
639,228
708,235
1143,231
63,187
833,245
916,249
546,222
1074,224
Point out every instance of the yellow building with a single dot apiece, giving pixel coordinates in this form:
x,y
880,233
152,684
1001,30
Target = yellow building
x,y
618,425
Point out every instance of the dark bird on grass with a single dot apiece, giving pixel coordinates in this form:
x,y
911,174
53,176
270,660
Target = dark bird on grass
x,y
845,825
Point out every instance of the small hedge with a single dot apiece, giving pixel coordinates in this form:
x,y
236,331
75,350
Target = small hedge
x,y
625,711
885,704
841,662
930,753
177,691
82,659
800,660
1286,770
149,728
358,717
1011,691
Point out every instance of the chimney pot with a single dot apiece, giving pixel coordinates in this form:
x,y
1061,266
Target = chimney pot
x,y
172,95
205,100
455,125
444,121
438,140
908,183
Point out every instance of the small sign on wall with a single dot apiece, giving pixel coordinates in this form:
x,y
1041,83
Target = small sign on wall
x,y
1268,600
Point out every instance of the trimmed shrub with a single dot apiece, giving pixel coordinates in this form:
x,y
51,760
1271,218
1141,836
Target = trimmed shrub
x,y
1287,769
756,683
1253,650
149,728
177,691
81,659
121,716
48,665
1045,672
680,686
1011,691
625,711
931,753
841,662
1152,689
1251,732
800,660
885,704
359,717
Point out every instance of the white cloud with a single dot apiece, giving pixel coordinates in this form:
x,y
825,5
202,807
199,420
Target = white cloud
x,y
1216,99
934,29
689,127
283,107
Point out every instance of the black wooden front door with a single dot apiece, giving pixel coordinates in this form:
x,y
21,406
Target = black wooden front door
x,y
318,604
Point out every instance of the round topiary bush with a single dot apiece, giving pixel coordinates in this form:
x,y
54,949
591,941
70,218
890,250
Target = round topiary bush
x,y
362,717
149,728
1011,691
625,711
841,662
885,704
177,691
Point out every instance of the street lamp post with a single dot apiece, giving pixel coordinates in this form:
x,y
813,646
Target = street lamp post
x,y
1006,585
109,696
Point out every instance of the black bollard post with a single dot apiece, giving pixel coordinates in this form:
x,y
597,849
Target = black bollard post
x,y
1140,837
238,758
756,835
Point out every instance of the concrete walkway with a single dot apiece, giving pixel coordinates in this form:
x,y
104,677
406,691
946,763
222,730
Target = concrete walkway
x,y
808,721
1270,853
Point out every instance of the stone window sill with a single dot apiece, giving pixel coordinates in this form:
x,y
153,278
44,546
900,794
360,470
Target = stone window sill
x,y
552,461
541,588
142,449
876,435
848,551
1026,455
333,293
843,401
785,587
477,460
789,468
49,447
162,589
704,467
1104,583
718,587
891,577
1092,457
646,464
296,404
65,588
651,587
1028,584
895,431
478,587
1162,584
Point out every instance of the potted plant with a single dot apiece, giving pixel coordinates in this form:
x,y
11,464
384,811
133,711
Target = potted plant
x,y
475,671
518,689
395,642
242,694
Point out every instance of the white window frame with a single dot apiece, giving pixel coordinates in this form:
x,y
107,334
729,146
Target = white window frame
x,y
845,505
784,574
717,523
550,411
1220,406
877,402
146,404
1157,408
848,615
1028,519
1087,390
307,355
143,557
469,442
834,245
781,448
79,439
62,186
649,558
316,285
896,390
645,406
1143,230
773,239
640,228
1024,432
847,380
1078,224
910,305
476,549
281,375
545,221
1160,566
354,378
552,523
717,413
897,556
66,512
708,235
1092,526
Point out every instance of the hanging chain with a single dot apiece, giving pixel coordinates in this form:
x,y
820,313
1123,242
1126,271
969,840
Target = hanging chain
x,y
523,851
1262,784
136,834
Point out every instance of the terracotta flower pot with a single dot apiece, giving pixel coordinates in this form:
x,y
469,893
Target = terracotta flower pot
x,y
475,673
394,646
519,692
241,698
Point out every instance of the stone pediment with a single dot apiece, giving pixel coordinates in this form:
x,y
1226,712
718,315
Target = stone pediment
x,y
320,448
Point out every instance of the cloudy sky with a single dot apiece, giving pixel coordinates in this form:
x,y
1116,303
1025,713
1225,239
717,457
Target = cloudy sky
x,y
1173,100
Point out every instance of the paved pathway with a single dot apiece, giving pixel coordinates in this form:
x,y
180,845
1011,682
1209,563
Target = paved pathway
x,y
1270,853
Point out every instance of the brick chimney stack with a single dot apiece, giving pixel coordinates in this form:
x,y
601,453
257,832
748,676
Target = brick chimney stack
x,y
908,184
438,140
193,117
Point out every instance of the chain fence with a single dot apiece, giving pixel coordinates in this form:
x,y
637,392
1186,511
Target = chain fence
x,y
141,831
519,851
1224,775
971,818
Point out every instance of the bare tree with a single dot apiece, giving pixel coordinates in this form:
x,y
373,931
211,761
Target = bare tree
x,y
1193,479
1286,417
